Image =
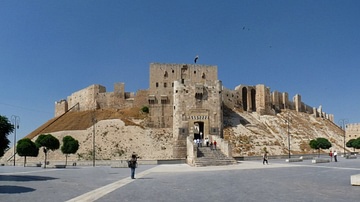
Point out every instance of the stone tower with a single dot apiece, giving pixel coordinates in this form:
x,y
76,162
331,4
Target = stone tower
x,y
187,98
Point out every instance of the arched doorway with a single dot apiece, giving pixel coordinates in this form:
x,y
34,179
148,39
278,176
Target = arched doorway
x,y
244,98
198,130
253,99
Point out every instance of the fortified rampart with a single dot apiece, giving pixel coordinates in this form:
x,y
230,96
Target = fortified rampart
x,y
188,98
160,95
196,85
96,97
259,99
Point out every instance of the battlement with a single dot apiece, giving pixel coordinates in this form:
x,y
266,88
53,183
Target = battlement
x,y
196,84
259,99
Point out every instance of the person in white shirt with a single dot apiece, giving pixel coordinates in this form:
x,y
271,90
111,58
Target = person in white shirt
x,y
335,156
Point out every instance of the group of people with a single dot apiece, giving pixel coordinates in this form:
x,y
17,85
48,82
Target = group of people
x,y
331,154
199,143
132,163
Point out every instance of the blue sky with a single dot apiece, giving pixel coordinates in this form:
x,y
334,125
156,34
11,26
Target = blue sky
x,y
50,49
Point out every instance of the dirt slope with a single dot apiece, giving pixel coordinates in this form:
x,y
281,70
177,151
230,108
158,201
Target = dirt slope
x,y
118,133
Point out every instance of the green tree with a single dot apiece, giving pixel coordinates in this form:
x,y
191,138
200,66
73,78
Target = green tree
x,y
350,143
5,129
145,109
48,142
356,143
25,147
70,146
320,143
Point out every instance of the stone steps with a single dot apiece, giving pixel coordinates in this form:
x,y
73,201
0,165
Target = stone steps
x,y
208,157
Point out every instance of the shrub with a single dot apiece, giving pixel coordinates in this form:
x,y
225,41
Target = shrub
x,y
145,109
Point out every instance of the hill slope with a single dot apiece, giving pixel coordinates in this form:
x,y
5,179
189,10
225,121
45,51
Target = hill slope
x,y
118,133
249,133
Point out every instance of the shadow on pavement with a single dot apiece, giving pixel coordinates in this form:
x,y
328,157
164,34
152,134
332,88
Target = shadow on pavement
x,y
9,189
24,178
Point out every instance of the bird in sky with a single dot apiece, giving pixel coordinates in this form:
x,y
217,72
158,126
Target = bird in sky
x,y
196,58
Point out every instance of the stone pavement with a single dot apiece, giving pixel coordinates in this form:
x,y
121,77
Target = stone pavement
x,y
246,181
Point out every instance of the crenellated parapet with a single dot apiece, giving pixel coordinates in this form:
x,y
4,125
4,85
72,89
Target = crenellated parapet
x,y
180,87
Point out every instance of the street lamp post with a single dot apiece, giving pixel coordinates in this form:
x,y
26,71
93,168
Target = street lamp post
x,y
15,121
94,122
342,123
287,121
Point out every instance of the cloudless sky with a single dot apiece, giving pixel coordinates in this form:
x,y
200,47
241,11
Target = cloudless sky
x,y
50,49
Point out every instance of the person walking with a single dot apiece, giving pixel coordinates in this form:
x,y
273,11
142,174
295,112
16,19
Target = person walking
x,y
335,156
265,158
133,164
215,144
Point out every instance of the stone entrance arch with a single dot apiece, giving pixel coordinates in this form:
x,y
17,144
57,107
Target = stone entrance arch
x,y
198,130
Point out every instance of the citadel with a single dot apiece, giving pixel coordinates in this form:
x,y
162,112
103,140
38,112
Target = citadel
x,y
189,99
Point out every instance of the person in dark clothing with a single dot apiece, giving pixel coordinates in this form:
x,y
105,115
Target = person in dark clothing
x,y
265,158
133,164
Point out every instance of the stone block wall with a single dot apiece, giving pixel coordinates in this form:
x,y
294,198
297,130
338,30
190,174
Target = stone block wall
x,y
161,87
60,107
160,95
352,131
96,97
86,97
263,104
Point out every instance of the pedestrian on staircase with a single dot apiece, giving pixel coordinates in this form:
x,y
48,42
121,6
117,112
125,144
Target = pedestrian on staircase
x,y
211,145
215,144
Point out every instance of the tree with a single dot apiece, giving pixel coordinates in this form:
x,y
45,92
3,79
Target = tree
x,y
320,143
25,147
350,143
48,142
356,143
70,146
5,129
145,109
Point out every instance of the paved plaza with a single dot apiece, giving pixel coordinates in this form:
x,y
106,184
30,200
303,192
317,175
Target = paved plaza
x,y
246,181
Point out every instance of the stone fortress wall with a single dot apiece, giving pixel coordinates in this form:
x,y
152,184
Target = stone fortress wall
x,y
352,131
188,98
96,97
194,80
259,99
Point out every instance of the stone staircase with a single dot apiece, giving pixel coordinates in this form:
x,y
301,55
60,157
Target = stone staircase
x,y
208,157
